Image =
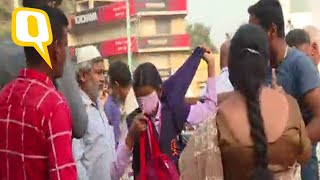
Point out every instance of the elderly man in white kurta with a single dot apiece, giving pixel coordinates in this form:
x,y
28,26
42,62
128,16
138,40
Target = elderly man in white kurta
x,y
96,155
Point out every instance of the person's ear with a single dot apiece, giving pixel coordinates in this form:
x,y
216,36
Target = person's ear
x,y
314,49
273,31
83,77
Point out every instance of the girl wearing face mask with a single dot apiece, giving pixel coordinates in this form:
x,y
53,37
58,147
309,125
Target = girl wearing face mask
x,y
165,105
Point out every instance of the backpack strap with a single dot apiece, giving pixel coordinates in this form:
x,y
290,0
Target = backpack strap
x,y
143,155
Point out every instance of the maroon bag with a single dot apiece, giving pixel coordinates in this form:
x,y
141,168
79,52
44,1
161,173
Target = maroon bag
x,y
156,166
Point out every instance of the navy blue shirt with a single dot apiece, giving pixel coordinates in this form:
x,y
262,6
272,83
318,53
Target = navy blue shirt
x,y
298,75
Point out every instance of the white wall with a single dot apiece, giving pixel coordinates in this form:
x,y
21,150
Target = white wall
x,y
300,20
315,4
310,17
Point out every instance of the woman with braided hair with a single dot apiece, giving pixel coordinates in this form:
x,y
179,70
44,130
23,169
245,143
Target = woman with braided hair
x,y
264,138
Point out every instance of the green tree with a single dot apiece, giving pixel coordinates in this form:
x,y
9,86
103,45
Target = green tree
x,y
200,35
5,20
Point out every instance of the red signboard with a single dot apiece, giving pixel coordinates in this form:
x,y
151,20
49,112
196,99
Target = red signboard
x,y
119,46
114,12
175,41
160,5
117,11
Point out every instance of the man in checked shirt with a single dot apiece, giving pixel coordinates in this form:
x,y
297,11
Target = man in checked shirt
x,y
35,124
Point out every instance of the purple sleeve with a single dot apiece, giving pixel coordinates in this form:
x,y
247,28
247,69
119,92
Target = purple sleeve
x,y
122,161
113,114
175,89
201,111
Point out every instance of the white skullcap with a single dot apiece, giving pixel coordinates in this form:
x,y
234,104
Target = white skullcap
x,y
87,53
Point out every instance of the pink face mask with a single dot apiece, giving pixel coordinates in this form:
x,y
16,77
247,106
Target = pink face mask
x,y
149,103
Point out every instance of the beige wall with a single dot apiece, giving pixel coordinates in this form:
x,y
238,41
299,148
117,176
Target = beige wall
x,y
119,58
178,26
201,77
105,32
145,26
160,60
178,58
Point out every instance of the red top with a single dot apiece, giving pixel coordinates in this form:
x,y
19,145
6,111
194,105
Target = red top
x,y
35,130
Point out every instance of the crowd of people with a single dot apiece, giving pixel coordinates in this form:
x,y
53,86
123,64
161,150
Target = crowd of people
x,y
259,119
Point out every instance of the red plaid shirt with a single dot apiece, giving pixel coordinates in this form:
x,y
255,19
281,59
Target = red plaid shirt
x,y
35,130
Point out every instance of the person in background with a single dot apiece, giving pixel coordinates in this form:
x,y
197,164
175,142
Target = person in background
x,y
223,84
35,123
265,133
12,61
113,113
165,102
103,93
222,80
296,73
120,82
99,157
298,38
314,34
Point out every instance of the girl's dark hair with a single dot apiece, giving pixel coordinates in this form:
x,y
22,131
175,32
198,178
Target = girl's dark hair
x,y
147,74
248,66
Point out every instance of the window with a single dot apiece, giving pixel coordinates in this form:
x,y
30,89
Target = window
x,y
163,26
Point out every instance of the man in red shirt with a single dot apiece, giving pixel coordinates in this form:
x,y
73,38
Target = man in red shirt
x,y
35,123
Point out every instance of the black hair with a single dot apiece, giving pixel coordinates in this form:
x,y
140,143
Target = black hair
x,y
58,21
119,72
269,12
147,74
297,37
38,3
248,67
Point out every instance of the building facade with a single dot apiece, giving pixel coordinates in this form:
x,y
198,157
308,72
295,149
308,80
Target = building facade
x,y
158,32
301,13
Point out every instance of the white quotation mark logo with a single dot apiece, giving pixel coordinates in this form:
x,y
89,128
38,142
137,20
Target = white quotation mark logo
x,y
31,28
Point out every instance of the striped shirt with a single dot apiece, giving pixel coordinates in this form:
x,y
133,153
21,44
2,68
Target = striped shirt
x,y
35,130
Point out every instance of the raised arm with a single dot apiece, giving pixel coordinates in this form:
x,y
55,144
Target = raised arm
x,y
202,110
176,87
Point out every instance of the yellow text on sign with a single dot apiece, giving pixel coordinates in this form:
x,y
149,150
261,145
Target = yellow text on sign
x,y
31,28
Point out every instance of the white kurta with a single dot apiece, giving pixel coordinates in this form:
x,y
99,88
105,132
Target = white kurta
x,y
96,151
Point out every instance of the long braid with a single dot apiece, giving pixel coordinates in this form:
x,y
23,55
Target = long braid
x,y
248,66
249,85
258,135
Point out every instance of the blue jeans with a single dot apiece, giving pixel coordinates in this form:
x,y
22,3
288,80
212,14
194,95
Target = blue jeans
x,y
310,170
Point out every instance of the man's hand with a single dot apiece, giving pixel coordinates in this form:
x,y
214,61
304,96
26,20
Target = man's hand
x,y
138,125
209,58
274,83
208,55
